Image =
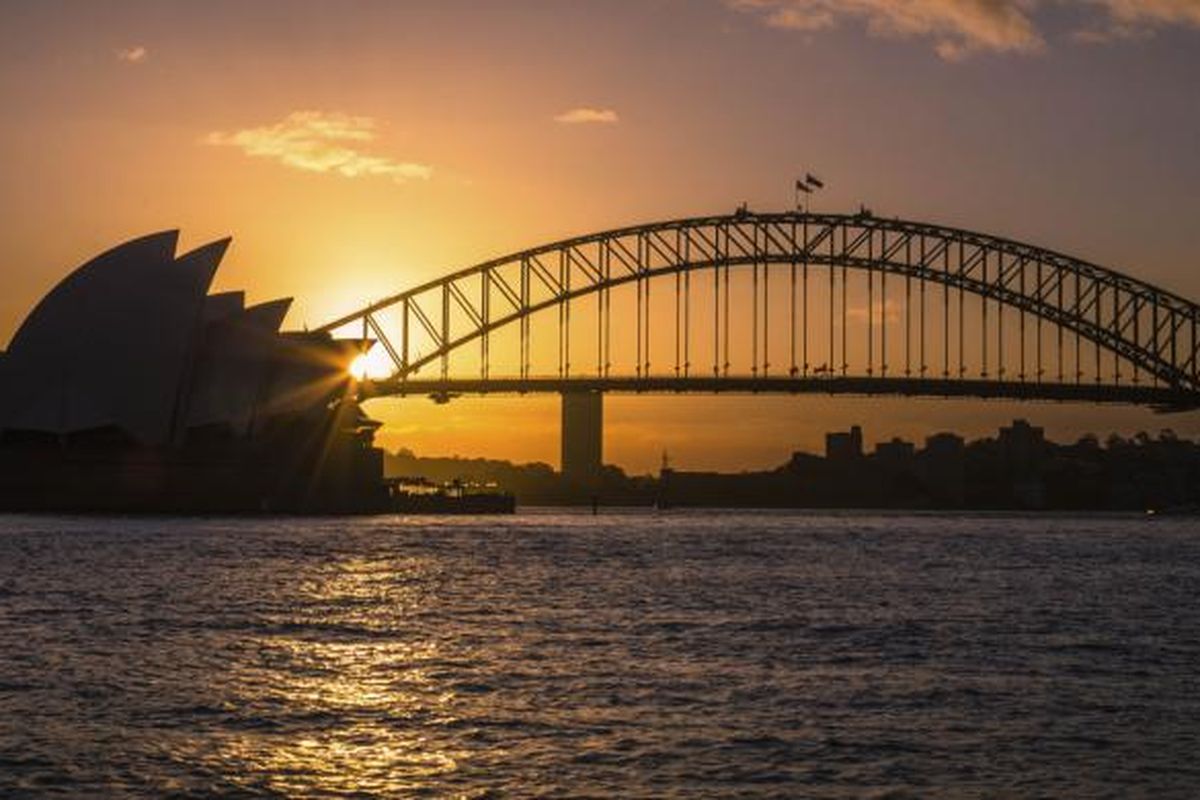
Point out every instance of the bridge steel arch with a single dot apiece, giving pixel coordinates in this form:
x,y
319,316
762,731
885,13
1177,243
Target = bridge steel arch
x,y
1152,330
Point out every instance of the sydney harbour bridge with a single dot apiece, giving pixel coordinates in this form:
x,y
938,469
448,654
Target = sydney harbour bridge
x,y
787,303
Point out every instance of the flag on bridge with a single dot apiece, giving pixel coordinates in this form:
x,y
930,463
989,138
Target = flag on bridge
x,y
801,186
811,180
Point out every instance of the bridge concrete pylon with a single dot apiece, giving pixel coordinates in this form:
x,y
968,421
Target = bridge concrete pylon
x,y
582,438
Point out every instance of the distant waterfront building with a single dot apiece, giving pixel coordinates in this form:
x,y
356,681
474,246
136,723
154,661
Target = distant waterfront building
x,y
897,453
1022,451
844,446
943,468
1022,444
944,445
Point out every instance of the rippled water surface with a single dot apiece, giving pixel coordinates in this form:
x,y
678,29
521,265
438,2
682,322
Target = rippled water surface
x,y
631,655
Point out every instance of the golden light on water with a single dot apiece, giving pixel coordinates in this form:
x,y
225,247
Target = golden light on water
x,y
360,700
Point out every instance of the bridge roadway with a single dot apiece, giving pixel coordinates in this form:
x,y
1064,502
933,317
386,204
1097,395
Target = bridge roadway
x,y
1161,398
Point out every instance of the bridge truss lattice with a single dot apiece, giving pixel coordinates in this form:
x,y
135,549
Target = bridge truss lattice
x,y
865,304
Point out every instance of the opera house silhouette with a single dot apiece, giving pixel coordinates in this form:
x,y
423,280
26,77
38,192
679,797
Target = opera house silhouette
x,y
131,388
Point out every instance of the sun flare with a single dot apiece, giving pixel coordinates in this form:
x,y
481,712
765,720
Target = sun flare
x,y
372,364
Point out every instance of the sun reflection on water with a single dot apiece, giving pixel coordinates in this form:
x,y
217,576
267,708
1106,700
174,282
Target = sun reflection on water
x,y
340,699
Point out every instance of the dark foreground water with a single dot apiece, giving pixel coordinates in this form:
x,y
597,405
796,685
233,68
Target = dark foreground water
x,y
639,655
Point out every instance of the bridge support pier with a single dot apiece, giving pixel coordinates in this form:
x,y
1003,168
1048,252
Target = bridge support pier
x,y
582,438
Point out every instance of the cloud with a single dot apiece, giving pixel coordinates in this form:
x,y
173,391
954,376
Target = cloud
x,y
958,28
1136,19
961,28
316,141
585,115
132,55
888,311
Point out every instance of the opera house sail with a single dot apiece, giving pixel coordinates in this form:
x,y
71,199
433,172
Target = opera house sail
x,y
130,387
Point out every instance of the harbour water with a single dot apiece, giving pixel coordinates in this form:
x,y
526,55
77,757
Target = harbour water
x,y
733,654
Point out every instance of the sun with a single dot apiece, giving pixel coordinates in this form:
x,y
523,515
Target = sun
x,y
372,364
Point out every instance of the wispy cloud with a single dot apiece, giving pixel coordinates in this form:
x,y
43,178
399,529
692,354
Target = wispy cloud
x,y
585,115
957,27
317,141
888,311
132,55
961,28
1135,19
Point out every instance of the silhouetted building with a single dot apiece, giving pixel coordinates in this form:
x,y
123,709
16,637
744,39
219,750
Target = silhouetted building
x,y
945,445
942,468
844,446
130,388
1022,446
1023,450
896,454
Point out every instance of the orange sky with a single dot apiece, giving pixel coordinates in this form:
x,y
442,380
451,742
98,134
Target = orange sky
x,y
354,149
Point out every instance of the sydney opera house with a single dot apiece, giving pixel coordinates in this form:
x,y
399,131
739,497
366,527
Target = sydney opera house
x,y
131,388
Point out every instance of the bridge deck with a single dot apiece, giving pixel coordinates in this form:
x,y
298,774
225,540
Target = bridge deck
x,y
1161,398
